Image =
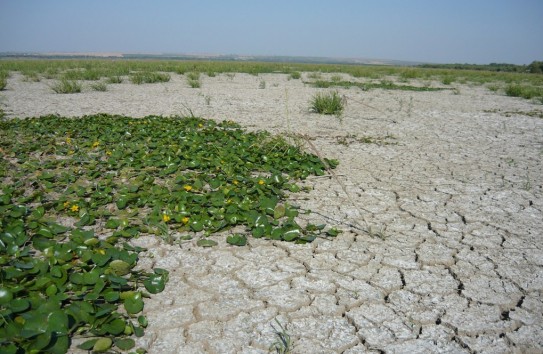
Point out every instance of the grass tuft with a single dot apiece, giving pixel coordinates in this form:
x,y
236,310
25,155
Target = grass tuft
x,y
295,75
327,103
115,79
149,78
3,80
193,79
283,344
67,86
99,86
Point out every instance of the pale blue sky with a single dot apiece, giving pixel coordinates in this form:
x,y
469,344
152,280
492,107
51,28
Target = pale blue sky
x,y
442,31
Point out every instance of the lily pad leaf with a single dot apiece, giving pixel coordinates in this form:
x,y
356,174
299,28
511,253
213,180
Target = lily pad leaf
x,y
204,242
88,344
119,267
125,343
237,240
102,345
133,304
155,283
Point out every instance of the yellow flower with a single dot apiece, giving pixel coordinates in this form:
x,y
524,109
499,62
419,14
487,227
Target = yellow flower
x,y
68,140
71,152
229,201
74,208
261,182
187,188
101,251
166,218
200,125
95,144
235,182
66,204
108,153
185,220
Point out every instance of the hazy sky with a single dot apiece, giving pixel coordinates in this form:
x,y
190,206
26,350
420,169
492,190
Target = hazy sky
x,y
443,31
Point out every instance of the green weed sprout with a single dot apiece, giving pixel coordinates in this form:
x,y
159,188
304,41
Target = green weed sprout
x,y
283,344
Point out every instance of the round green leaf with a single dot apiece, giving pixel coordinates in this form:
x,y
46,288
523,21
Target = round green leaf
x,y
125,343
155,283
204,242
102,345
133,304
119,267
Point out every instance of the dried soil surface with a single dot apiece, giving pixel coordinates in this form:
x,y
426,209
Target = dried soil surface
x,y
454,262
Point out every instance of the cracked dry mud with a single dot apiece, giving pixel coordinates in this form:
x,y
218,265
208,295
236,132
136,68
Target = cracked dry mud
x,y
455,204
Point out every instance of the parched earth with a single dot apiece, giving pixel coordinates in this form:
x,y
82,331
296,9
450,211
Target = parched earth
x,y
449,185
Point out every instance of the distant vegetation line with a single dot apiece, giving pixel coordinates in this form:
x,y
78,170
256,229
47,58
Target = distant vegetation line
x,y
536,67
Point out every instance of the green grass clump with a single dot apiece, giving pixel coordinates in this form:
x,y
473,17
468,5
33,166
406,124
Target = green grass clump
x,y
115,79
527,92
3,80
327,103
447,80
67,268
66,86
99,86
149,78
31,75
193,79
295,75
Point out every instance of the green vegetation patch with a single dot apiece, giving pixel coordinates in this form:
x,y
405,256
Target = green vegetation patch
x,y
524,91
386,85
74,191
327,103
149,78
66,86
3,79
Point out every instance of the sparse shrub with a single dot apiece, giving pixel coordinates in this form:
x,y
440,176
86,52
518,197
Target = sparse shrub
x,y
447,80
99,86
336,78
193,76
31,76
315,75
193,79
528,92
3,80
327,103
322,84
493,88
149,78
194,83
67,86
295,75
211,74
115,79
262,84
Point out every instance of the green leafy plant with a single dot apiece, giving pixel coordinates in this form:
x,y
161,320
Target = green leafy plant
x,y
66,86
327,103
174,177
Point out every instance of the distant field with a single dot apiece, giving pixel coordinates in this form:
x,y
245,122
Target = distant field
x,y
524,85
